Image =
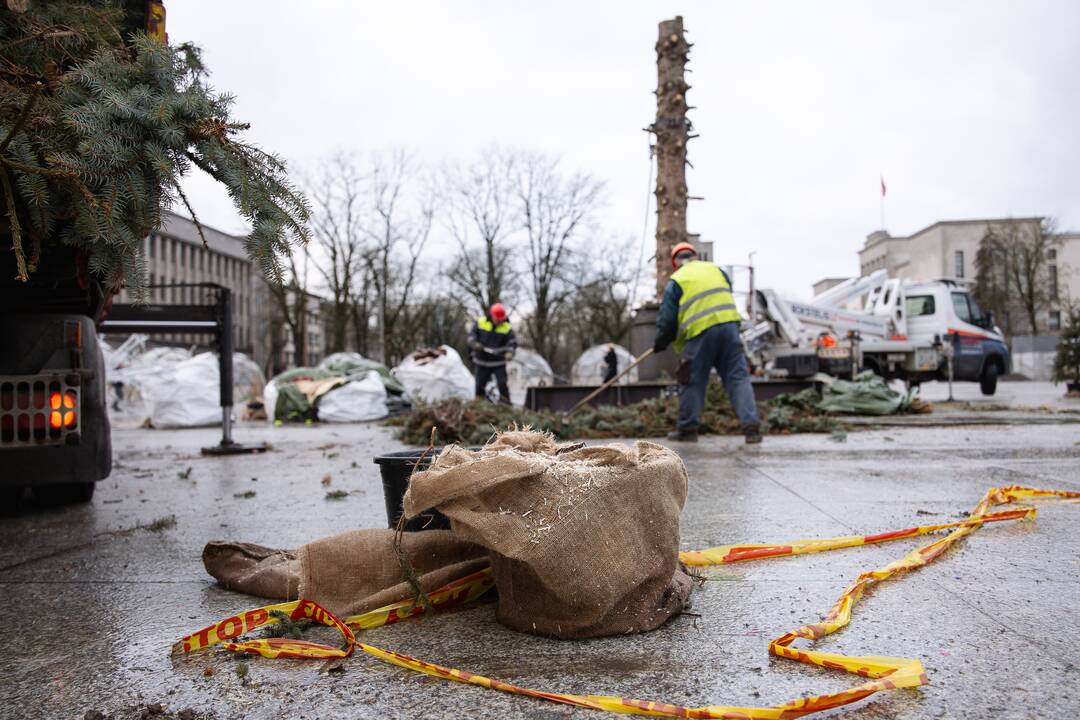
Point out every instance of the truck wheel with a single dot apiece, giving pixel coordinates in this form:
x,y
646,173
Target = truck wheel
x,y
65,494
988,381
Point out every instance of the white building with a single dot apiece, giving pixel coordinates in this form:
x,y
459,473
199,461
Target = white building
x,y
175,254
947,249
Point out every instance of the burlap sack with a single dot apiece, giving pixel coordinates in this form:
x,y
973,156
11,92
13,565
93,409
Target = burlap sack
x,y
347,574
583,541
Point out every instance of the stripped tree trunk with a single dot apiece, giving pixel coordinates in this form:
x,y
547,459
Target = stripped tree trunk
x,y
672,130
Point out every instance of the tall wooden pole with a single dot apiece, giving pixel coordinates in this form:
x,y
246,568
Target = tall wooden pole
x,y
672,131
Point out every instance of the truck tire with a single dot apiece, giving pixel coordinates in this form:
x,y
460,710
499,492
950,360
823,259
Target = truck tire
x,y
988,381
65,494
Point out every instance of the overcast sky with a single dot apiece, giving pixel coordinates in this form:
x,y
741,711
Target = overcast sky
x,y
968,109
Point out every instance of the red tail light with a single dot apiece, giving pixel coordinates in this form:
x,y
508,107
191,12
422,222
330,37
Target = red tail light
x,y
63,409
37,410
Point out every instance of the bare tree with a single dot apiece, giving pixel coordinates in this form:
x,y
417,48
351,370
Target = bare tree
x,y
1013,269
435,315
292,297
598,311
554,211
361,304
397,228
336,194
481,219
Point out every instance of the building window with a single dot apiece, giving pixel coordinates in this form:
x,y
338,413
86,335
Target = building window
x,y
1055,320
1053,281
1051,254
958,259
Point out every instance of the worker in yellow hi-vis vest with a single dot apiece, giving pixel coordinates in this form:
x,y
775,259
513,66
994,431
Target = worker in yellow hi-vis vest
x,y
698,313
493,345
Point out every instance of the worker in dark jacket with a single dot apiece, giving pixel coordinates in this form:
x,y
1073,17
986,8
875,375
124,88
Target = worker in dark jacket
x,y
698,314
493,344
611,364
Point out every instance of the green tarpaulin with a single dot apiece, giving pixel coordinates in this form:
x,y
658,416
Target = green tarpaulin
x,y
351,364
867,394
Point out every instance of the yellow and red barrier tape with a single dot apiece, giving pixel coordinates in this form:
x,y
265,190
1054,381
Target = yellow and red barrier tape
x,y
883,673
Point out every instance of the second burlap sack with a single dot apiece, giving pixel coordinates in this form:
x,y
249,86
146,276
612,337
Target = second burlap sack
x,y
583,541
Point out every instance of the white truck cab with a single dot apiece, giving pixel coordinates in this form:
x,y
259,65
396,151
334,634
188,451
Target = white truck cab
x,y
945,309
912,330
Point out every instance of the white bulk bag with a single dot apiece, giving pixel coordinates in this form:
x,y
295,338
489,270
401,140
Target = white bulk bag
x,y
528,368
355,401
437,378
188,396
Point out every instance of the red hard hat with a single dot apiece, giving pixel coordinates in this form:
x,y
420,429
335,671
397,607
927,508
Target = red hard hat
x,y
681,247
498,312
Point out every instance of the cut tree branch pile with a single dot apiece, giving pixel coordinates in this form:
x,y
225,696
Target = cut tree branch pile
x,y
473,422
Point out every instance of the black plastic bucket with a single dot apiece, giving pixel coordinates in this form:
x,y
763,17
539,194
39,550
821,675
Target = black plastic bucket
x,y
396,469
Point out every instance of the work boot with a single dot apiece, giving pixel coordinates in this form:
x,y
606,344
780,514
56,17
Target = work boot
x,y
752,434
682,436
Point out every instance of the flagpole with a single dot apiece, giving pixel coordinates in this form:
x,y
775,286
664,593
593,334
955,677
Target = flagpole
x,y
882,178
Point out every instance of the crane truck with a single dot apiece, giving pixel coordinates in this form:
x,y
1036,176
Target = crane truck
x,y
911,330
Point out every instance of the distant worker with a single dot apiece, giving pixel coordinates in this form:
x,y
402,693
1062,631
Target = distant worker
x,y
698,313
493,344
611,364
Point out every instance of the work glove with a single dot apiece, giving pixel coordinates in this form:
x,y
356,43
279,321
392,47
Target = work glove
x,y
659,347
508,356
477,345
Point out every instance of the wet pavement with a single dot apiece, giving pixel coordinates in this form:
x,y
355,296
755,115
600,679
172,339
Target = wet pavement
x,y
1012,394
96,594
1015,403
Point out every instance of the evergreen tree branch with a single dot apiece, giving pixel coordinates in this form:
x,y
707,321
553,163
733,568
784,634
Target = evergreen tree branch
x,y
16,230
23,116
194,217
116,123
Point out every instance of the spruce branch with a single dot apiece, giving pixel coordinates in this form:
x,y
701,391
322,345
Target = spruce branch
x,y
194,217
16,230
27,107
107,127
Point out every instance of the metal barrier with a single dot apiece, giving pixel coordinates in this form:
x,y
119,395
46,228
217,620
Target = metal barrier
x,y
215,319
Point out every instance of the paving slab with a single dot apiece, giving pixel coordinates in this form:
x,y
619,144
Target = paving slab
x,y
100,596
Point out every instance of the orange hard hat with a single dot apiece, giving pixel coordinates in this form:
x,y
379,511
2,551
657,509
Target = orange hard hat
x,y
498,312
681,247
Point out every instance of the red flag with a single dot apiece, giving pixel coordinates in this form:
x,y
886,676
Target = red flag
x,y
882,186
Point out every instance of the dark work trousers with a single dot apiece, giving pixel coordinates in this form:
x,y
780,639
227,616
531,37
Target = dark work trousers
x,y
719,347
483,375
